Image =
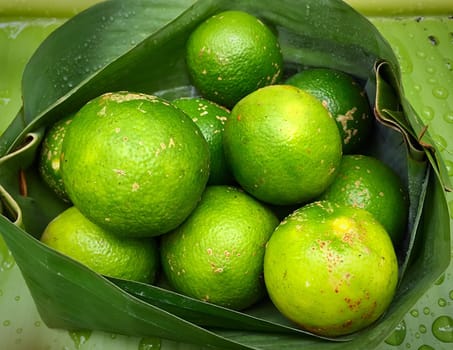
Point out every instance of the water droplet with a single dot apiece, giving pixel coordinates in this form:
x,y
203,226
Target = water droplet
x,y
417,87
449,65
448,117
442,302
7,323
6,258
79,337
426,310
408,345
449,166
440,142
426,347
4,101
37,324
17,298
427,113
430,70
421,54
406,67
398,335
149,343
414,313
432,80
422,328
13,30
441,279
433,40
19,330
440,92
442,329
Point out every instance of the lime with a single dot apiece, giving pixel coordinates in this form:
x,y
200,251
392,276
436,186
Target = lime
x,y
216,255
282,145
49,165
134,164
72,234
330,268
232,54
210,118
345,99
368,183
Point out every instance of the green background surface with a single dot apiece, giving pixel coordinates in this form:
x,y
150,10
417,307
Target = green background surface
x,y
421,34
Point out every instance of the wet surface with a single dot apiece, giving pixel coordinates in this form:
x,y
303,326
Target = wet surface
x,y
424,46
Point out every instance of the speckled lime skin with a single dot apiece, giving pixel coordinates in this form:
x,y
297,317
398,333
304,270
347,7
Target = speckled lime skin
x,y
217,254
368,183
331,269
282,145
72,234
232,54
345,99
210,117
134,164
49,163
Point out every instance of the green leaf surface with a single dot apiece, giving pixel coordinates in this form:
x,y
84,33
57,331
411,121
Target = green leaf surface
x,y
139,45
261,318
393,109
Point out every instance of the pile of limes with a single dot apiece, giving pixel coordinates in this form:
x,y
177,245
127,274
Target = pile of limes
x,y
194,189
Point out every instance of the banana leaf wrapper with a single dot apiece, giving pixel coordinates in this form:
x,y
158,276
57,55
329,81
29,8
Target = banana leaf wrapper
x,y
139,45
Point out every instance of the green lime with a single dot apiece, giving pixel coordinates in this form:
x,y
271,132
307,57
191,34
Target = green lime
x,y
134,164
232,54
321,264
49,164
282,145
210,118
72,234
368,183
216,255
345,99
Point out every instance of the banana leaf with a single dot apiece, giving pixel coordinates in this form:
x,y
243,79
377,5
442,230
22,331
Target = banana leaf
x,y
138,45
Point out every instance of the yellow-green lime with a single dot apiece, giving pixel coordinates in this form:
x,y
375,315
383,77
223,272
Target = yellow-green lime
x,y
345,99
210,118
282,145
331,268
49,165
232,54
368,183
134,164
216,255
72,234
